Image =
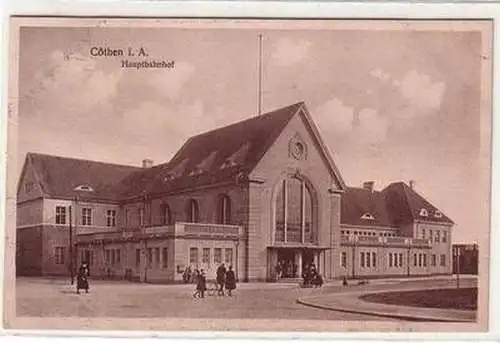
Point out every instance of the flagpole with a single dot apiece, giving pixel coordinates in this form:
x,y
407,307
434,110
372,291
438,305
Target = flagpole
x,y
260,76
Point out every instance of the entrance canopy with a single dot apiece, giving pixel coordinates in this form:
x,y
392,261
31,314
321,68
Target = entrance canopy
x,y
298,246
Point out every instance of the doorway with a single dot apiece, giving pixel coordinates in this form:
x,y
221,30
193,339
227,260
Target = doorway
x,y
286,263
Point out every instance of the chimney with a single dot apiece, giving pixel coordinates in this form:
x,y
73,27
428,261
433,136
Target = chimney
x,y
368,185
147,163
411,183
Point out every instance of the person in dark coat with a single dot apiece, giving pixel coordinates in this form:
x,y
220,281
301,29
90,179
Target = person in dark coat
x,y
201,284
230,280
82,281
344,282
221,276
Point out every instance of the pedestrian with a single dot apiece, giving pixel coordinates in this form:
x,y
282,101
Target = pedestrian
x,y
344,282
230,280
201,284
82,281
220,278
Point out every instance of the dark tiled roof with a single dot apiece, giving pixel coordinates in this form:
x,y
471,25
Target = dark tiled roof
x,y
405,205
59,176
356,202
200,161
395,205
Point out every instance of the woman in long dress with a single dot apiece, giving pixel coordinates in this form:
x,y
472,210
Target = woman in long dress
x,y
230,280
82,281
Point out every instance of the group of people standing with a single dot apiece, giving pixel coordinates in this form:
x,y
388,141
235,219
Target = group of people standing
x,y
225,279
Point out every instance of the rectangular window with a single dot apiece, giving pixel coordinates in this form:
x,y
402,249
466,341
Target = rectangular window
x,y
414,260
443,260
423,233
217,256
362,259
149,257
118,257
113,257
206,255
368,260
374,259
434,260
60,215
438,237
193,256
107,256
137,258
343,259
111,218
59,255
229,255
141,217
425,260
164,258
28,187
445,236
157,257
400,259
86,216
420,260
390,259
431,236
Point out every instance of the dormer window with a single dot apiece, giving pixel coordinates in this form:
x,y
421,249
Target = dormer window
x,y
237,158
205,165
438,214
177,171
424,213
368,216
84,188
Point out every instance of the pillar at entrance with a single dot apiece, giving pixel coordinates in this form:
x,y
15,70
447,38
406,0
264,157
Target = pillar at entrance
x,y
298,262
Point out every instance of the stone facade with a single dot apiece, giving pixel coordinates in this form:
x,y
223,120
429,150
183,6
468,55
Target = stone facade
x,y
287,208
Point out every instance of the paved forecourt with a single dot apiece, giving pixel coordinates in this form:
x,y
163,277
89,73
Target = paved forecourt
x,y
57,298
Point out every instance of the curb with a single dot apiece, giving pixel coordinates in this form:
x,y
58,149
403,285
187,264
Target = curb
x,y
415,318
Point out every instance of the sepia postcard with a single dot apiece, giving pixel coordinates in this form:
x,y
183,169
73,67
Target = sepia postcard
x,y
278,175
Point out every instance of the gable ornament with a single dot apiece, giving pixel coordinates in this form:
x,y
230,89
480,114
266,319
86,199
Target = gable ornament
x,y
297,148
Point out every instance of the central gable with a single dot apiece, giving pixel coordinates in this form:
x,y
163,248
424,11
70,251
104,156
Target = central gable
x,y
299,147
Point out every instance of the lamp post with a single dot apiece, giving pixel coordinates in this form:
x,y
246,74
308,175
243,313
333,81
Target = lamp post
x,y
72,277
457,264
408,246
353,239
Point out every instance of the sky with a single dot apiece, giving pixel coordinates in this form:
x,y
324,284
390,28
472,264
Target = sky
x,y
391,105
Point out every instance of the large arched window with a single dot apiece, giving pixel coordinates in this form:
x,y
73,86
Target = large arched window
x,y
294,212
192,211
223,209
166,215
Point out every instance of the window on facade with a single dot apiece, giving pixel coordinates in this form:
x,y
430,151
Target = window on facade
x,y
390,259
157,256
362,259
423,233
374,259
113,257
166,215
206,256
164,258
141,217
223,209
193,256
86,216
445,237
86,257
431,236
368,260
137,258
217,256
425,260
438,214
414,260
420,260
343,259
229,256
59,253
294,212
442,260
111,218
28,187
433,260
423,212
400,259
193,211
118,257
149,257
438,237
60,215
